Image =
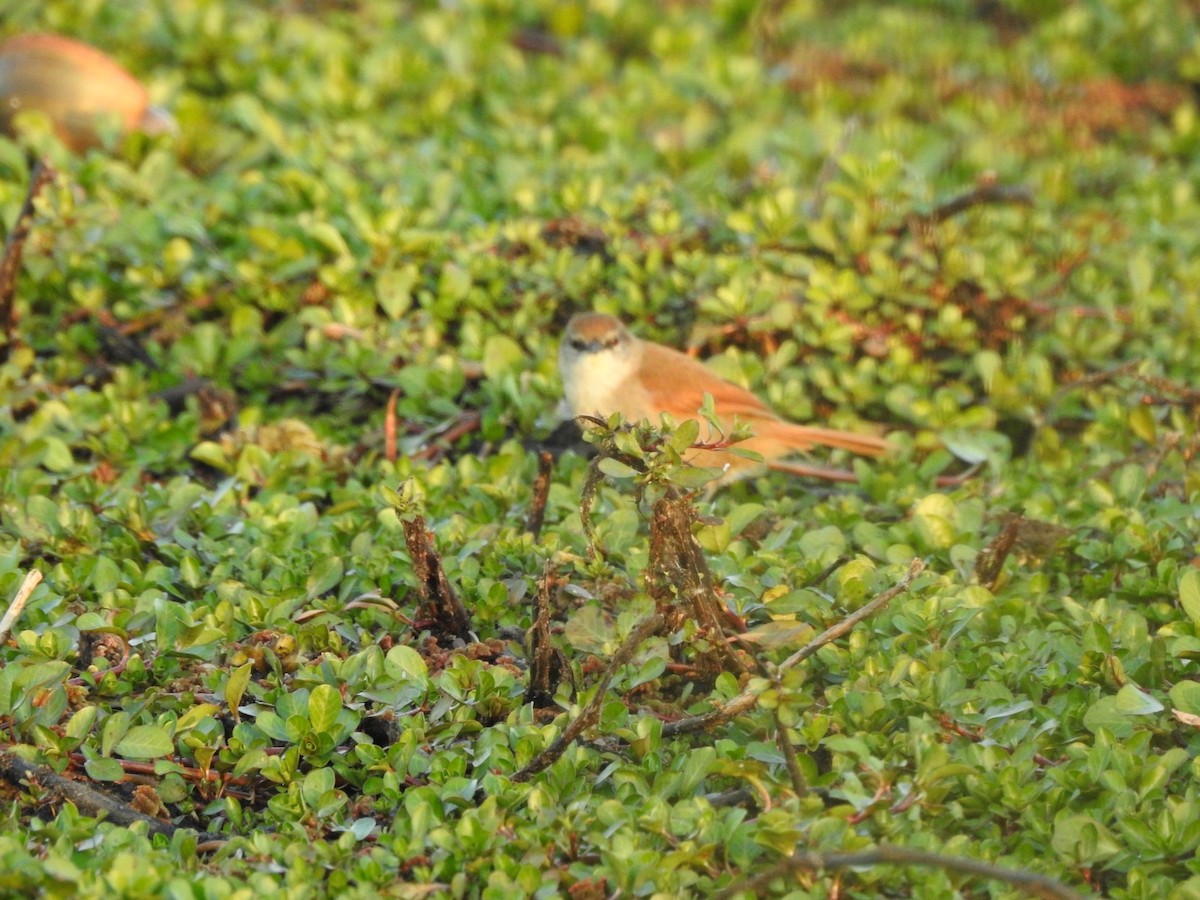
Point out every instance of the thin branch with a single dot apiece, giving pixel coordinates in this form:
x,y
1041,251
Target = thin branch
x,y
830,166
87,800
14,248
389,427
449,617
547,664
747,700
32,579
743,702
987,191
466,422
831,634
820,577
1036,884
591,713
541,494
799,782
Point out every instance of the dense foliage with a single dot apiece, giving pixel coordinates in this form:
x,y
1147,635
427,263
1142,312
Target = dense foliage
x,y
975,223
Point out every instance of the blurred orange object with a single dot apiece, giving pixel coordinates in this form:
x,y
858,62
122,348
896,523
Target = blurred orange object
x,y
74,84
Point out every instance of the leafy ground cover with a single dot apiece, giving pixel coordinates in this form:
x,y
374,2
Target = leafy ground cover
x,y
276,391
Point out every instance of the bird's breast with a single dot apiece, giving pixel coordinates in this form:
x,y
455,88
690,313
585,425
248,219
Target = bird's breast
x,y
600,385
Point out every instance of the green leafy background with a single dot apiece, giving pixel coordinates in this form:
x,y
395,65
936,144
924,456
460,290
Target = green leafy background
x,y
368,199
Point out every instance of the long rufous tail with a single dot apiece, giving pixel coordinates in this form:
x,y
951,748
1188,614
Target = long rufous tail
x,y
812,436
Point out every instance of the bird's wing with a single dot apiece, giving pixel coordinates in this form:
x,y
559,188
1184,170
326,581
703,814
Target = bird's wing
x,y
681,382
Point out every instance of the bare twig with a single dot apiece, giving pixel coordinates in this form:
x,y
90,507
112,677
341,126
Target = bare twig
x,y
830,166
1168,391
464,423
678,577
389,427
591,713
989,561
14,248
820,577
747,700
32,579
831,634
541,493
547,665
799,782
1036,884
743,702
987,191
449,615
87,800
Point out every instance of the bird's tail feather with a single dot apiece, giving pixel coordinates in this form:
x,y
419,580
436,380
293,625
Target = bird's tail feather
x,y
812,436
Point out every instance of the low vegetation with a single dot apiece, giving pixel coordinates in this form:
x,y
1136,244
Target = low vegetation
x,y
331,602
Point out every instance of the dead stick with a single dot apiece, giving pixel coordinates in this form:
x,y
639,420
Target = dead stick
x,y
32,579
748,699
1035,883
87,800
591,713
541,494
799,782
987,192
449,616
832,633
14,246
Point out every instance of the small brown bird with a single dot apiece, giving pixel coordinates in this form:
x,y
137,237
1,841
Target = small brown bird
x,y
75,85
606,369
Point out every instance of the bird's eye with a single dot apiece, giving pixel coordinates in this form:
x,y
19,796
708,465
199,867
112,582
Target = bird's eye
x,y
579,344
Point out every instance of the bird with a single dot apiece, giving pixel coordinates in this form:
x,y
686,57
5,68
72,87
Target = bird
x,y
76,86
607,369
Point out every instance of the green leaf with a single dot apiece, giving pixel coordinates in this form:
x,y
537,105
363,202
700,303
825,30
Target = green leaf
x,y
316,785
80,724
742,515
42,674
936,520
685,435
1104,713
589,631
328,237
212,455
272,725
145,742
1189,593
106,575
104,768
648,671
195,714
1082,839
324,706
823,544
1133,702
1185,696
235,687
974,446
1143,424
56,455
694,477
614,468
502,354
393,289
324,576
115,727
403,663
